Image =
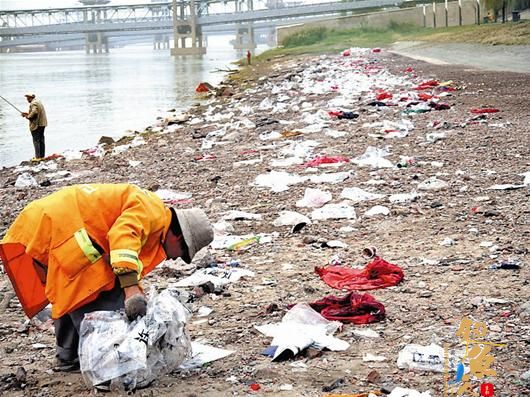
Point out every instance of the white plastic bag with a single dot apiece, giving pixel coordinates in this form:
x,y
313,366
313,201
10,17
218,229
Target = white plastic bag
x,y
131,355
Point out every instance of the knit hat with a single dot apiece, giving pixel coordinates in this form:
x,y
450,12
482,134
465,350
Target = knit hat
x,y
196,229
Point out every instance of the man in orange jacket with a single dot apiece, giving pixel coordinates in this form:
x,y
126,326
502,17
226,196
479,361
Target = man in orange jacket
x,y
86,248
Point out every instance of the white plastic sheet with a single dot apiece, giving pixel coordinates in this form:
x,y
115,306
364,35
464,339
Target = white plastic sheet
x,y
202,354
171,196
300,328
334,211
238,215
314,198
25,180
422,358
377,210
400,198
374,157
278,181
403,392
433,183
219,276
291,218
357,194
331,177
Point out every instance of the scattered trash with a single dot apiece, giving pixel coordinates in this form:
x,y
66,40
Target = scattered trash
x,y
507,265
334,211
204,87
376,274
423,358
432,183
204,311
351,308
366,333
447,242
278,181
506,187
335,177
243,244
484,110
400,198
374,157
300,328
25,180
314,198
327,160
291,218
335,244
377,210
235,215
202,354
334,385
356,194
402,392
172,197
216,275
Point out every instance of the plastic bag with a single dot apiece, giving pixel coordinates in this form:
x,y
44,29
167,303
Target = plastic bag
x,y
132,355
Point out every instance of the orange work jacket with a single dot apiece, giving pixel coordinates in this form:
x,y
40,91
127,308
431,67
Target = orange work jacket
x,y
68,231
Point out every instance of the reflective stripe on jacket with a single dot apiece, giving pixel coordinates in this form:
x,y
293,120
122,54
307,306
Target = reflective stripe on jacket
x,y
69,230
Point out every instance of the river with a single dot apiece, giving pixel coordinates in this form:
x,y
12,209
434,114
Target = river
x,y
87,96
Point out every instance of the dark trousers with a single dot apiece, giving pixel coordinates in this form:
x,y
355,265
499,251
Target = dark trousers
x,y
67,327
38,142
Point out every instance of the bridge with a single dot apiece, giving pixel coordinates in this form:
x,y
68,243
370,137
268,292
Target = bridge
x,y
186,19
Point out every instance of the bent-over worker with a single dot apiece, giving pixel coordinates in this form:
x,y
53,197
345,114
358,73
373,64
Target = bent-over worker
x,y
87,247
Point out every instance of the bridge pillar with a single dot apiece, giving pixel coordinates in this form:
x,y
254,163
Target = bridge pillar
x,y
244,31
96,42
161,41
244,37
185,30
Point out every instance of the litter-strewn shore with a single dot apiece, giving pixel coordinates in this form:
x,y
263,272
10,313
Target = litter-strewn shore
x,y
427,163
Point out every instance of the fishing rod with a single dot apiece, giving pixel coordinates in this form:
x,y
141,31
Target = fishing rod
x,y
18,110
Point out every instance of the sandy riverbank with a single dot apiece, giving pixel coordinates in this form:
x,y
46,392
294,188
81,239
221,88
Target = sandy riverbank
x,y
218,149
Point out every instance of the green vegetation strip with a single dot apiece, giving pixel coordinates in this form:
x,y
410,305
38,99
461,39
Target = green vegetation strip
x,y
323,40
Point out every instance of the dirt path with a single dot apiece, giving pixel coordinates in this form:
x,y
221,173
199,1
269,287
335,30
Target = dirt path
x,y
484,57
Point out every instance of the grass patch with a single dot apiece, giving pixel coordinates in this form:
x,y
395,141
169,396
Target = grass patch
x,y
323,40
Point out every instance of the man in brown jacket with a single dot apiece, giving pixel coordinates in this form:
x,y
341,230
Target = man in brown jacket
x,y
37,122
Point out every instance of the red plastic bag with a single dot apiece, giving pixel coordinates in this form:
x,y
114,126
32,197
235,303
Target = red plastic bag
x,y
383,95
376,50
351,308
484,110
377,274
424,96
427,84
203,87
318,160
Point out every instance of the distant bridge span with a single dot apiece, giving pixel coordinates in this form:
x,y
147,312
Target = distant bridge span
x,y
20,27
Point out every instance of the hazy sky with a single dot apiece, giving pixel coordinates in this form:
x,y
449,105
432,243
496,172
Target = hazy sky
x,y
27,4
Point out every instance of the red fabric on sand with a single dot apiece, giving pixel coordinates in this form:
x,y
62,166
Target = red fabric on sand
x,y
351,308
377,274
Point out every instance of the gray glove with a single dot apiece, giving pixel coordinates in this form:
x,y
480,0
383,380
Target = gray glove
x,y
135,306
